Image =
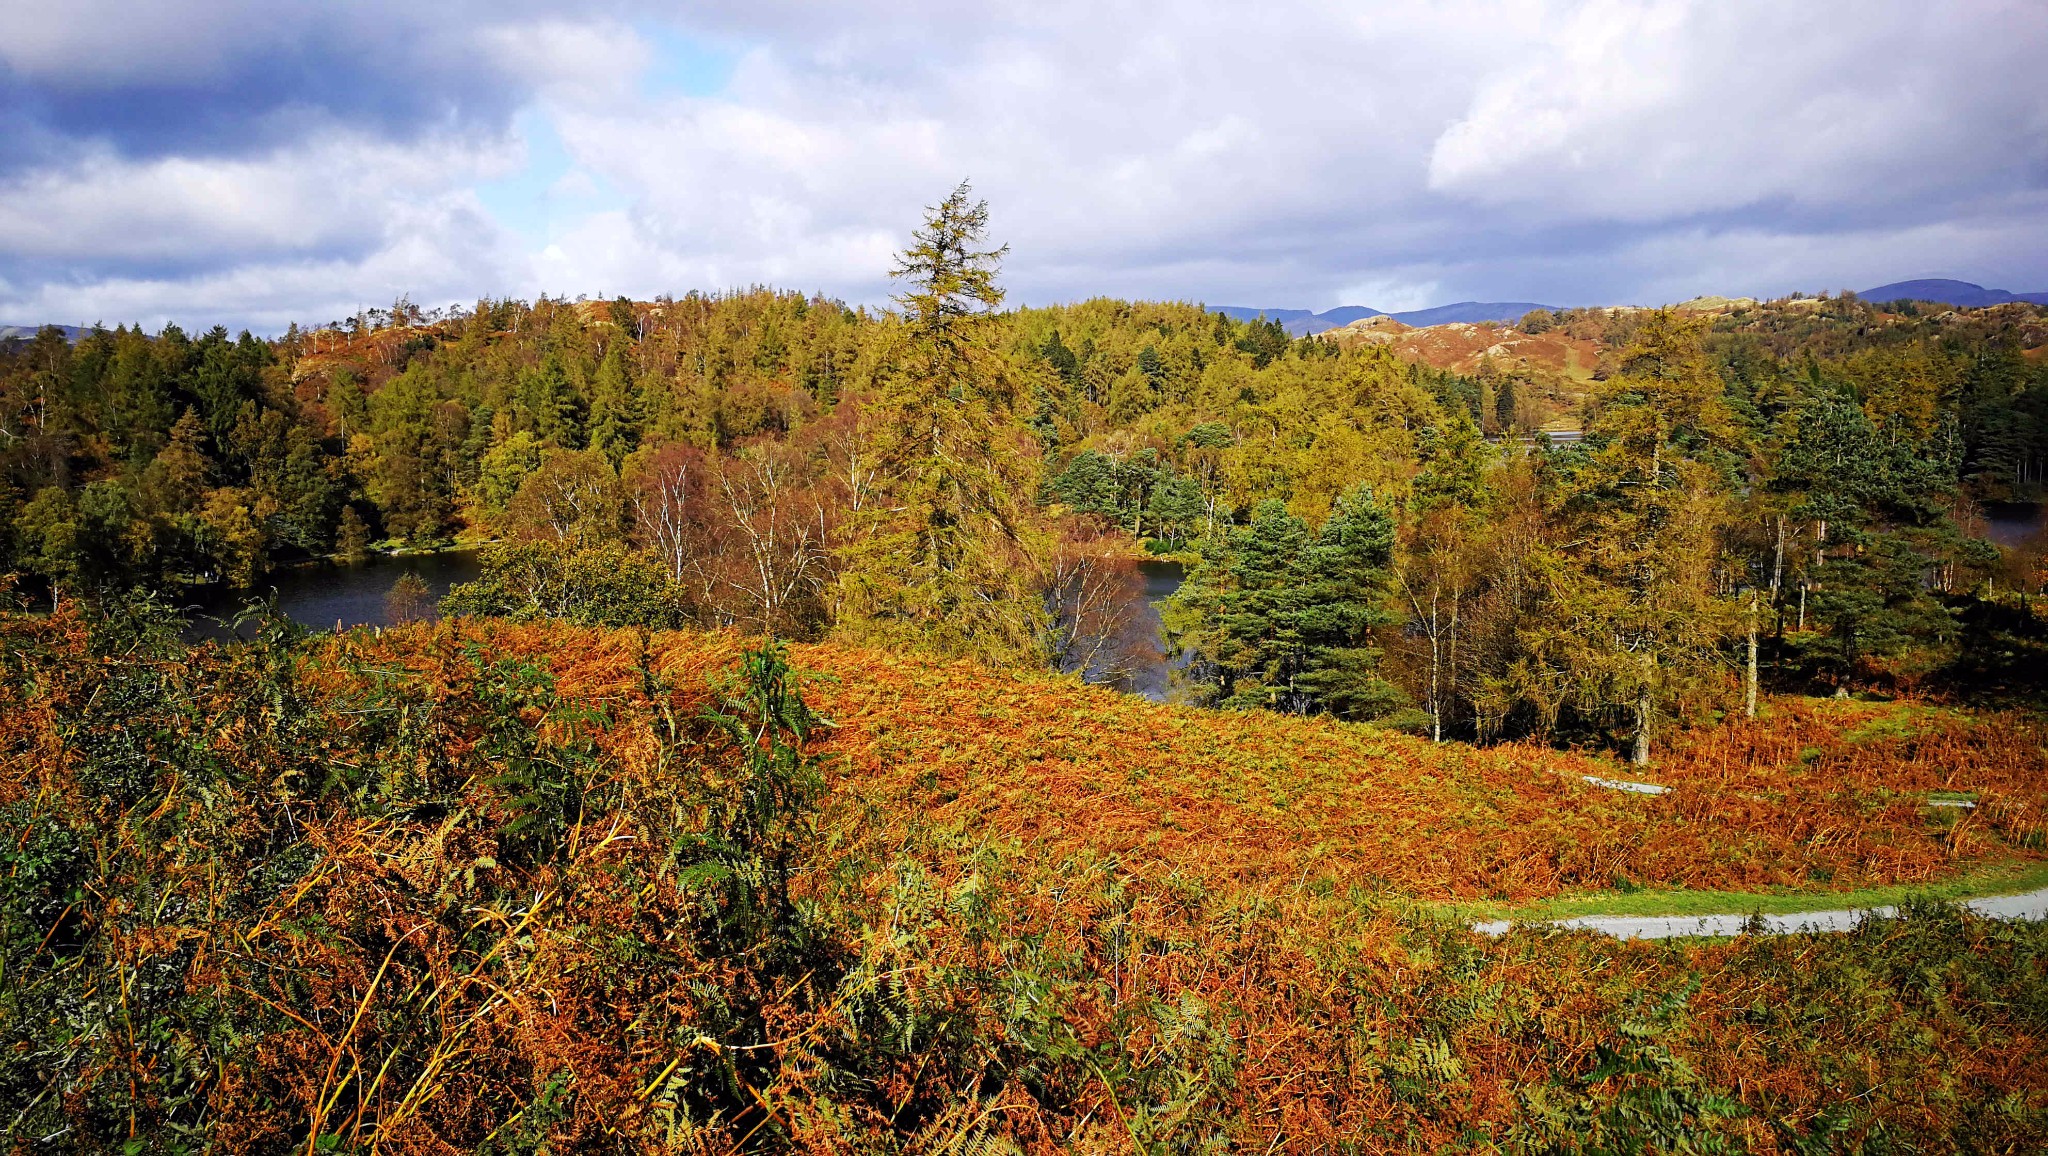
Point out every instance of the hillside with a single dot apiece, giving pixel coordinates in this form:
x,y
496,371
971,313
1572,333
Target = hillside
x,y
27,332
493,887
1463,347
1826,791
1308,322
1961,294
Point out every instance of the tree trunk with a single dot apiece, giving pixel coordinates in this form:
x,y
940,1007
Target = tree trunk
x,y
1778,562
1749,689
1436,705
1642,751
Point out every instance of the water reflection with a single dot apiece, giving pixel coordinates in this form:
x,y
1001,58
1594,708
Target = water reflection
x,y
2013,523
327,595
1143,666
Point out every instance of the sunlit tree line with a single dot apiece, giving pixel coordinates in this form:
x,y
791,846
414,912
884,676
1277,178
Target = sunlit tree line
x,y
1790,483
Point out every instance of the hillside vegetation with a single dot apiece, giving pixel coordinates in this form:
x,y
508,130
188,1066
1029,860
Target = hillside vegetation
x,y
1367,533
751,799
484,887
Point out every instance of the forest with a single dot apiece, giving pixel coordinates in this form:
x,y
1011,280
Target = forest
x,y
1780,496
749,799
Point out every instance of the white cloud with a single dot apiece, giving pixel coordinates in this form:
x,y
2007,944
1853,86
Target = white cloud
x,y
338,192
97,40
575,61
306,234
1644,110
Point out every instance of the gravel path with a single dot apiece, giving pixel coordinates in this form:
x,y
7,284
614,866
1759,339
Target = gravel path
x,y
2032,905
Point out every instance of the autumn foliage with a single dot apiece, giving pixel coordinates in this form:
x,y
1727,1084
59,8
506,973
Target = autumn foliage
x,y
492,887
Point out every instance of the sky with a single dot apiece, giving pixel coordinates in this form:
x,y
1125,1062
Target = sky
x,y
259,163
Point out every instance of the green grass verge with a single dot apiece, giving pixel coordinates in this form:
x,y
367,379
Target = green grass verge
x,y
2010,878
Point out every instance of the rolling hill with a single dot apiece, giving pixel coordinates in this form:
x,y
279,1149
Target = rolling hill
x,y
28,332
1962,294
1303,322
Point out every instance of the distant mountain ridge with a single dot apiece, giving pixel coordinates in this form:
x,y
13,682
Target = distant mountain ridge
x,y
1942,290
1301,322
28,332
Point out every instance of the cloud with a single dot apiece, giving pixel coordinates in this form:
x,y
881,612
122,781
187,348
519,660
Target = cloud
x,y
437,254
1300,154
1644,111
336,195
228,78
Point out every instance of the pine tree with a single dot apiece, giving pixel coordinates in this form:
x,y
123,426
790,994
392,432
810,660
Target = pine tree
x,y
1344,594
556,406
1280,616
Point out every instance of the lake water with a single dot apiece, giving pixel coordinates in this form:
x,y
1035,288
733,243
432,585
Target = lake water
x,y
2011,523
324,595
345,594
1149,671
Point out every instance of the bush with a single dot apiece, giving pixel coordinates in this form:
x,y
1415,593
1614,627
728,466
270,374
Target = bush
x,y
604,586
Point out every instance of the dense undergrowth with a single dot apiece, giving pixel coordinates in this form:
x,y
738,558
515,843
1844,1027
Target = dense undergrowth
x,y
495,888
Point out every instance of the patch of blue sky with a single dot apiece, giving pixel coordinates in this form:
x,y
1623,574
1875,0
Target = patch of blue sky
x,y
684,64
551,192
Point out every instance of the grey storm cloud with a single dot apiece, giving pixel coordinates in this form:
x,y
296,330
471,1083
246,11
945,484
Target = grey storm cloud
x,y
226,80
268,162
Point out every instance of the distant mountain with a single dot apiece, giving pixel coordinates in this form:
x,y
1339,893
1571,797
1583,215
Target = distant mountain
x,y
1301,322
28,332
1961,294
1469,313
1346,314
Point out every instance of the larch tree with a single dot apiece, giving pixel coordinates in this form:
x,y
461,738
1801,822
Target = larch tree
x,y
943,558
1633,622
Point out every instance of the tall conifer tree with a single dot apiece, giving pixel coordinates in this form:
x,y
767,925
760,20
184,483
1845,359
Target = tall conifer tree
x,y
943,561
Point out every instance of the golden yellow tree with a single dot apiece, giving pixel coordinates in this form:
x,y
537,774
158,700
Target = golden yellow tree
x,y
943,556
1633,621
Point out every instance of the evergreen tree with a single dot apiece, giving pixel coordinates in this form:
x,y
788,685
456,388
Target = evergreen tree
x,y
616,411
1873,506
1061,359
1280,616
556,408
1344,592
1089,485
1175,511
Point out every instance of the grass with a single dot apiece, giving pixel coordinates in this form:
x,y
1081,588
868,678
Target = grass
x,y
2009,878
